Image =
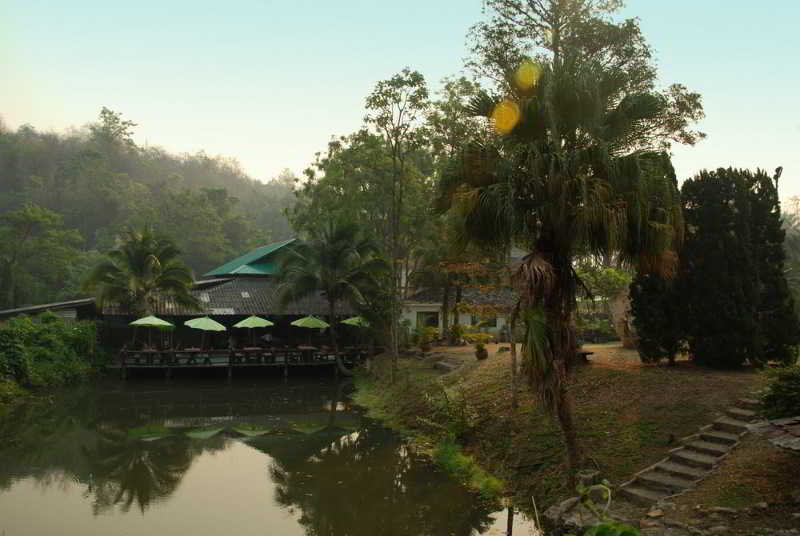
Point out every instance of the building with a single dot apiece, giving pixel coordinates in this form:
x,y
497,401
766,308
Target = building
x,y
424,309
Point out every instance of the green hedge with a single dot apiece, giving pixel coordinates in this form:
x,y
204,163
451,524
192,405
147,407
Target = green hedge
x,y
47,350
782,398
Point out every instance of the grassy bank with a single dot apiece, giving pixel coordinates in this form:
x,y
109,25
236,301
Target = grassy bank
x,y
628,415
45,351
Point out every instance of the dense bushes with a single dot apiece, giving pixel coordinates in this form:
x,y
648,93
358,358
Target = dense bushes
x,y
657,309
46,350
730,300
782,398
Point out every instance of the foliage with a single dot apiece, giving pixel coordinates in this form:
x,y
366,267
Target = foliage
x,y
738,304
603,282
606,526
481,352
562,180
595,329
46,350
449,456
782,397
143,270
98,183
658,308
425,335
36,253
338,262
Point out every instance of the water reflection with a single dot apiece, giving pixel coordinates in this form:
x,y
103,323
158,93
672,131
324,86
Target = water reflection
x,y
123,448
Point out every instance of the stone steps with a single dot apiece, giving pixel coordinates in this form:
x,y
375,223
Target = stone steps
x,y
642,496
658,481
693,459
705,447
716,436
679,470
746,415
692,462
726,424
749,403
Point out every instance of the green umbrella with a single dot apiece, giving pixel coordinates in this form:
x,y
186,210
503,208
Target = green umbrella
x,y
310,322
357,321
206,324
151,322
253,322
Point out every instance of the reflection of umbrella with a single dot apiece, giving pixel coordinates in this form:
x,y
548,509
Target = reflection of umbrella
x,y
357,321
310,322
204,323
152,322
253,322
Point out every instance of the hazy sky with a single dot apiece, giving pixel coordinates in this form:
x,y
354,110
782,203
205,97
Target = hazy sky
x,y
269,83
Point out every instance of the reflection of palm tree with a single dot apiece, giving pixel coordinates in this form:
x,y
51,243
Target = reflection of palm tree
x,y
368,482
127,471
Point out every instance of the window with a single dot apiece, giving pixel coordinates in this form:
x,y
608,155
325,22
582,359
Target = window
x,y
485,322
428,319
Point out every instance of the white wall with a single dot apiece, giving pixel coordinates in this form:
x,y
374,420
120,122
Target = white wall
x,y
410,311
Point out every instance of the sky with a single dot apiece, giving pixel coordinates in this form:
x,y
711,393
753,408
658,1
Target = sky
x,y
269,83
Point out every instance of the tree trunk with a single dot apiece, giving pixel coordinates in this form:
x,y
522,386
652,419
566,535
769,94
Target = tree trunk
x,y
446,309
559,307
332,320
514,387
456,315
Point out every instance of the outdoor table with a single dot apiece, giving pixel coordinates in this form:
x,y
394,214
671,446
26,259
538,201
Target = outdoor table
x,y
307,352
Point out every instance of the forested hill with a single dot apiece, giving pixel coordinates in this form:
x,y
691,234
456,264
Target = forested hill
x,y
66,197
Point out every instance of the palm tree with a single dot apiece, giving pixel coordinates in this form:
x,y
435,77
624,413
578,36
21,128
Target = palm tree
x,y
572,173
339,262
144,268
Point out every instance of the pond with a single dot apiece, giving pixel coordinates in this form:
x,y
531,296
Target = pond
x,y
204,456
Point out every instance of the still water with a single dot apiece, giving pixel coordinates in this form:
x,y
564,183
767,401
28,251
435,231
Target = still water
x,y
206,457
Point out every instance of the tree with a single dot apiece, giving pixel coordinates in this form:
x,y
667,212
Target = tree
x,y
35,250
739,307
658,308
395,107
142,270
559,181
337,262
577,31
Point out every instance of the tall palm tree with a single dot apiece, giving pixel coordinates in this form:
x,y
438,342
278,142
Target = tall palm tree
x,y
144,268
337,261
572,172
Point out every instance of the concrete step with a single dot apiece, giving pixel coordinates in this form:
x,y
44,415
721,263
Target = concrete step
x,y
641,496
749,403
727,424
693,458
717,436
658,481
705,447
680,470
747,415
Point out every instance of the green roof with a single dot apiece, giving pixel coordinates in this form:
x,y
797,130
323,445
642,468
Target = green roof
x,y
252,263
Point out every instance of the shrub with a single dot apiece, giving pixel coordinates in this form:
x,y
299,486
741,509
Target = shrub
x,y
46,349
657,311
480,352
782,398
451,459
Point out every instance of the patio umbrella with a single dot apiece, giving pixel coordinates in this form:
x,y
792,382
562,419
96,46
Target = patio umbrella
x,y
310,322
204,323
357,321
252,322
151,322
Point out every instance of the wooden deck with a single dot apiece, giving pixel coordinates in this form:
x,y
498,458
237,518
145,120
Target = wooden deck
x,y
285,358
